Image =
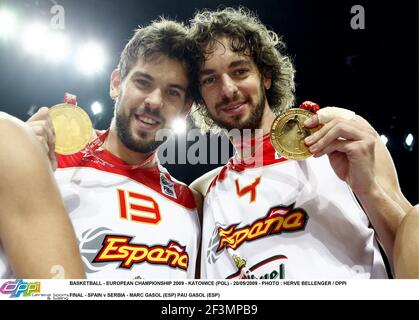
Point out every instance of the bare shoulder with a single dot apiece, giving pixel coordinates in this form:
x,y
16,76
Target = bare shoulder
x,y
10,121
197,196
202,183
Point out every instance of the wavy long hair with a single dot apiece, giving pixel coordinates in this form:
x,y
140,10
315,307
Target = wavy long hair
x,y
247,36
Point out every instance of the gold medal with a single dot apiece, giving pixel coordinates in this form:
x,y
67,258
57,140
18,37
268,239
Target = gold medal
x,y
288,134
72,126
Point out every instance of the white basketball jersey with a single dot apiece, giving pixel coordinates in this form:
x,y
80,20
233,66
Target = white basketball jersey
x,y
286,219
130,223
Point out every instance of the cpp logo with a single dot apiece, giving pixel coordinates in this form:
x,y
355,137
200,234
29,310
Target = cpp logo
x,y
20,287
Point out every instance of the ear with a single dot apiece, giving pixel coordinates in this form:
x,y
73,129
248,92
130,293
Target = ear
x,y
267,81
115,85
187,107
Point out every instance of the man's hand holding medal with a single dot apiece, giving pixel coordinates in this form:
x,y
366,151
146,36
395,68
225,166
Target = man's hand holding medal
x,y
349,141
65,128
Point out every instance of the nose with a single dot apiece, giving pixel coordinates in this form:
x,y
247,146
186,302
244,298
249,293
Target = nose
x,y
154,99
229,87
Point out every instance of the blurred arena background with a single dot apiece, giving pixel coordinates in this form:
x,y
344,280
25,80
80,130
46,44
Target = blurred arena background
x,y
373,71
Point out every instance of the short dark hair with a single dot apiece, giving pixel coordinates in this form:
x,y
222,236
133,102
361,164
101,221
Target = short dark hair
x,y
162,36
249,36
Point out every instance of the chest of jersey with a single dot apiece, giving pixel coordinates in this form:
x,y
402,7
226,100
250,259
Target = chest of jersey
x,y
126,229
286,220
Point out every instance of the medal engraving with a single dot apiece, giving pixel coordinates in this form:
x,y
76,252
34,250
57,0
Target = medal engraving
x,y
72,126
288,134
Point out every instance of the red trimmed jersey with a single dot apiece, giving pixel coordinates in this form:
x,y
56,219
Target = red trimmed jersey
x,y
285,219
130,223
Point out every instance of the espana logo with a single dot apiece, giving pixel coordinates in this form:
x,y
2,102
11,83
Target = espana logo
x,y
19,288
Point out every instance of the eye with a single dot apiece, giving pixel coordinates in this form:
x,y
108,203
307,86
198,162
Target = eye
x,y
142,83
174,93
208,81
241,72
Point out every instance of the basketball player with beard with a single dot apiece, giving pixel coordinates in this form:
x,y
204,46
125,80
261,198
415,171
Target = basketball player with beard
x,y
274,217
132,219
37,240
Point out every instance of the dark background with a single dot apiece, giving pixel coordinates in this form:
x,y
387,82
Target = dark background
x,y
373,71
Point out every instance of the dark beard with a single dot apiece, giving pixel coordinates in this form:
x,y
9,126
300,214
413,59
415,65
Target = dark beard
x,y
123,131
255,120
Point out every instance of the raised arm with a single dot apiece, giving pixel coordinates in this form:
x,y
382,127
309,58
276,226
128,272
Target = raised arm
x,y
35,231
359,158
406,248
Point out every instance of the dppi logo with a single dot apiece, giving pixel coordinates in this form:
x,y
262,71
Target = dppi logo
x,y
20,287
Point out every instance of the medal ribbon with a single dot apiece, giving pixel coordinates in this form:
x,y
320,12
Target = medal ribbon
x,y
70,98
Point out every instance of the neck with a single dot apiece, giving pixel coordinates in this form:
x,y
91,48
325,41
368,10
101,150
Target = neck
x,y
115,146
267,119
247,144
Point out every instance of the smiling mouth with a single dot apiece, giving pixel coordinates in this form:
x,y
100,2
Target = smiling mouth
x,y
146,122
233,109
